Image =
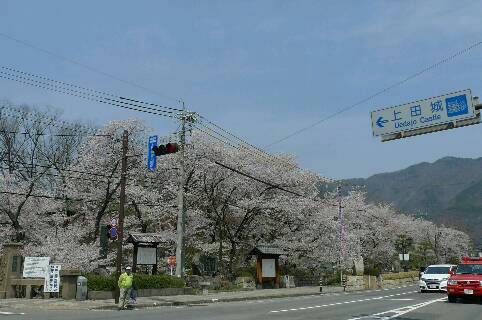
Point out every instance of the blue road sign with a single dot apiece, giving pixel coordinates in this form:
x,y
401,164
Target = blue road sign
x,y
151,157
431,112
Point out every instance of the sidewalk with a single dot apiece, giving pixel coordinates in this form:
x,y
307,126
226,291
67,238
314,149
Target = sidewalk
x,y
152,302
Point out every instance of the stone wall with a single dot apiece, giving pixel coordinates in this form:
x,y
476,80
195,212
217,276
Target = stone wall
x,y
370,282
105,295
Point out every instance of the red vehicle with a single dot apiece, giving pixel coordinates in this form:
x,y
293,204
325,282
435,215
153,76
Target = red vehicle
x,y
466,281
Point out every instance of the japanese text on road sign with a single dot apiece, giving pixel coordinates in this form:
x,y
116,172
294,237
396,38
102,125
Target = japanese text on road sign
x,y
423,113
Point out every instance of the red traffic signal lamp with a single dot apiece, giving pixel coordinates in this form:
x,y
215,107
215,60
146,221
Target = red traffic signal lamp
x,y
165,149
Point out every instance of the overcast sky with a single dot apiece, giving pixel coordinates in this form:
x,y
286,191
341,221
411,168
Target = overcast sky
x,y
261,69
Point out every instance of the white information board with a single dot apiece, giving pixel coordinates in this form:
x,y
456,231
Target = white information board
x,y
52,280
404,257
425,113
268,268
36,267
146,255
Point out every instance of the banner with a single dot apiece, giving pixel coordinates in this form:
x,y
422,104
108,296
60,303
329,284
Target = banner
x,y
52,280
36,267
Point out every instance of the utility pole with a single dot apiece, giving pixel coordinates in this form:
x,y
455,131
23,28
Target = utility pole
x,y
340,219
125,141
181,215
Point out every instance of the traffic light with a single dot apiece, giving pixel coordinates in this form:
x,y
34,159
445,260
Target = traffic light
x,y
165,149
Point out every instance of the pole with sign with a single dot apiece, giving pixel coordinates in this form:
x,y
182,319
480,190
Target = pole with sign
x,y
151,157
423,116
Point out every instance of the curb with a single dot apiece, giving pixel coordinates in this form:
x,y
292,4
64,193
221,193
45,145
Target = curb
x,y
213,300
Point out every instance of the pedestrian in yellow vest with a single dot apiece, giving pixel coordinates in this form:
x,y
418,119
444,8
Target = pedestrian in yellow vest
x,y
125,285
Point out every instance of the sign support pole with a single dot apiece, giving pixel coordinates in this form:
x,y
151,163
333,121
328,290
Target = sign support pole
x,y
125,141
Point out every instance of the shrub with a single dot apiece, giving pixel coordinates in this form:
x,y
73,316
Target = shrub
x,y
157,281
97,282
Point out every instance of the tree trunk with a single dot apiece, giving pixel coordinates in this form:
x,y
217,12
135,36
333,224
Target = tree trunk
x,y
232,257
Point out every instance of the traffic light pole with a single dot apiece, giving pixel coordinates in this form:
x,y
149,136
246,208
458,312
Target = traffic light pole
x,y
125,141
181,215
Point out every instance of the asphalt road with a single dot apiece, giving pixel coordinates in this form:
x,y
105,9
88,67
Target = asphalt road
x,y
404,303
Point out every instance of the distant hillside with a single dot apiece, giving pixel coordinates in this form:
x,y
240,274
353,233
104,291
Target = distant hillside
x,y
447,191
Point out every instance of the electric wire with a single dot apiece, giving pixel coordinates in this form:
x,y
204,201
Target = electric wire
x,y
95,95
36,165
232,145
159,107
46,87
55,174
259,150
84,95
46,196
52,135
256,179
25,76
253,150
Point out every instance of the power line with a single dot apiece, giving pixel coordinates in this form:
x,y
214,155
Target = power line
x,y
376,94
232,145
66,170
46,196
56,55
92,94
256,179
56,175
257,149
71,199
62,83
52,135
151,181
99,96
84,95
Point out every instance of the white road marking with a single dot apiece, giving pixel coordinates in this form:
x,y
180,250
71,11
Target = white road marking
x,y
8,313
399,299
400,311
347,302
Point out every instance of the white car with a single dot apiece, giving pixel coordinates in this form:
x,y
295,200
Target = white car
x,y
435,277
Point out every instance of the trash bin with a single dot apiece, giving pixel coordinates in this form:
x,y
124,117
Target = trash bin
x,y
205,287
81,292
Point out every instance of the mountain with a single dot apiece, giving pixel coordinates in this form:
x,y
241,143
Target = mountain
x,y
447,191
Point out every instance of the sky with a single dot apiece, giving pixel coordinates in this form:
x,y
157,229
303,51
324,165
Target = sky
x,y
260,69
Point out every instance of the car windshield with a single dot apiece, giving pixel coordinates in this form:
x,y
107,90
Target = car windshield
x,y
469,269
437,270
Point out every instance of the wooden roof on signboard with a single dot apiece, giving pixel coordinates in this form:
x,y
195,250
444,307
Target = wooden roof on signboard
x,y
139,237
267,250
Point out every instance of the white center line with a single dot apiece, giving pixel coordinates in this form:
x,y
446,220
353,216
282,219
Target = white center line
x,y
7,313
348,302
398,312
